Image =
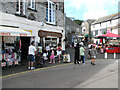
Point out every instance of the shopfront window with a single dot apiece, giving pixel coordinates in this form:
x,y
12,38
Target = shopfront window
x,y
20,7
50,12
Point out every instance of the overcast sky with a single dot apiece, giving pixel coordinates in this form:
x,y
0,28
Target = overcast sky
x,y
90,9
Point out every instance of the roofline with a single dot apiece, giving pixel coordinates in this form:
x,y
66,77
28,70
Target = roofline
x,y
106,21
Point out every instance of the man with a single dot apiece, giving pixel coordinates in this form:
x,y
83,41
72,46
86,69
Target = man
x,y
82,53
31,55
76,59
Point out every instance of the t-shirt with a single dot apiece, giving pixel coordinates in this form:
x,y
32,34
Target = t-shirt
x,y
59,48
47,48
82,50
32,50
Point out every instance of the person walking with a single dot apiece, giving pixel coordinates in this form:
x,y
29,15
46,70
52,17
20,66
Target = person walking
x,y
76,59
89,50
52,57
31,55
93,54
59,51
48,51
82,53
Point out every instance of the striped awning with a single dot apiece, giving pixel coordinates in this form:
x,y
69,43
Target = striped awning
x,y
11,31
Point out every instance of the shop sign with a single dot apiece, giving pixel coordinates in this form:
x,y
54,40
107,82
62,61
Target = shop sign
x,y
47,33
5,34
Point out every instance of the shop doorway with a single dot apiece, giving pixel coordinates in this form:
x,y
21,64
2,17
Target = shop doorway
x,y
25,43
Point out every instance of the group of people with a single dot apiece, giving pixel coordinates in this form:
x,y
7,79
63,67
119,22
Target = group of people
x,y
80,53
35,55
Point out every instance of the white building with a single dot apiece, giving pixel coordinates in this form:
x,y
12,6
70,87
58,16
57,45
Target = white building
x,y
107,24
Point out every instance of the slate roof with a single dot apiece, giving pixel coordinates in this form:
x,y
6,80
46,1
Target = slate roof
x,y
107,18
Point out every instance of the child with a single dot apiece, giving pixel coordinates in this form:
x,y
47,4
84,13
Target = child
x,y
52,57
93,54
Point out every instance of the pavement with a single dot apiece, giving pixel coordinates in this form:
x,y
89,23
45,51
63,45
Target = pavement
x,y
106,78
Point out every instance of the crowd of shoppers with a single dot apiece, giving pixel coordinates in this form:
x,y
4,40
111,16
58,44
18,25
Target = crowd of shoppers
x,y
39,56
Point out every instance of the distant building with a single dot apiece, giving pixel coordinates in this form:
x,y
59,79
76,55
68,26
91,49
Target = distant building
x,y
72,30
107,24
86,28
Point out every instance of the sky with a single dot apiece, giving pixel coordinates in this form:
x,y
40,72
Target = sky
x,y
90,9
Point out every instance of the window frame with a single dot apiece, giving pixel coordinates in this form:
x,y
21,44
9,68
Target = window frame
x,y
31,4
51,7
19,7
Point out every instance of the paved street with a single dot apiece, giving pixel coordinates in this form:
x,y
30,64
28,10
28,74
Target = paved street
x,y
67,76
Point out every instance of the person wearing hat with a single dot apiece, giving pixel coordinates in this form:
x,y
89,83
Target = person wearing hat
x,y
82,53
52,57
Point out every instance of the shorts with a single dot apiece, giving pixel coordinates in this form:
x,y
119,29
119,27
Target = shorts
x,y
58,52
94,57
31,58
52,57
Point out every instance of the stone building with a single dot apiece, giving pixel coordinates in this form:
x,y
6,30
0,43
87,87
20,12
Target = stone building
x,y
44,20
86,28
72,30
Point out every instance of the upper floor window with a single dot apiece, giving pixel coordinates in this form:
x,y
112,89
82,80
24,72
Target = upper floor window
x,y
32,4
50,12
20,7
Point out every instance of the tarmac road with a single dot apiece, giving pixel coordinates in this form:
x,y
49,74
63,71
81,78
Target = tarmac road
x,y
66,76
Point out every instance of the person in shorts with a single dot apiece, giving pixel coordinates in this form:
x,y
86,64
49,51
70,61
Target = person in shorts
x,y
59,51
94,55
31,55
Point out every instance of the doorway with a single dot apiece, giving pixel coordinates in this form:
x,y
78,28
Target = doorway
x,y
25,43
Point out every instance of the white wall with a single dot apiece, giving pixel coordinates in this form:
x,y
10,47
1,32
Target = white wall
x,y
105,25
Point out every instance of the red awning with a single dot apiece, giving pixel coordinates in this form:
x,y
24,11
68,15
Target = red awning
x,y
109,35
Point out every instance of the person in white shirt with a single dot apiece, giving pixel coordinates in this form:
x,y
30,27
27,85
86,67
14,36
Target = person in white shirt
x,y
31,55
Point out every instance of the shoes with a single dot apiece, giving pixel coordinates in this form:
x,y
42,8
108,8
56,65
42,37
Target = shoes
x,y
32,68
29,68
50,62
93,64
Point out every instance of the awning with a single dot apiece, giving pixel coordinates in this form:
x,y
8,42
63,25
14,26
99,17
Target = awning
x,y
11,31
109,35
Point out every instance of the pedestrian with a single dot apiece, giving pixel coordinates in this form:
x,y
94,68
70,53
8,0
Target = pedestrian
x,y
76,59
48,51
82,53
52,57
89,50
59,51
39,55
31,55
93,54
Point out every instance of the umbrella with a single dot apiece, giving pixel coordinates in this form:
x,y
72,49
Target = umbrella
x,y
109,35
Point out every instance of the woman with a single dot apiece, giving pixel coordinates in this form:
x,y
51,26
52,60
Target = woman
x,y
93,54
59,50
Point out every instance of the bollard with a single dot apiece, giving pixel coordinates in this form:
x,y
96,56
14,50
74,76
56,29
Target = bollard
x,y
114,55
105,55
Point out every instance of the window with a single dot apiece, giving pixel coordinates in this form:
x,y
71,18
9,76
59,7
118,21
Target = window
x,y
32,4
50,13
20,7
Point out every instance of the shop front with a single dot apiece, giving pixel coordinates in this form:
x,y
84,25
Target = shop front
x,y
51,38
10,45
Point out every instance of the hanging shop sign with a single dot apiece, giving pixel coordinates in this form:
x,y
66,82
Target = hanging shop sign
x,y
42,33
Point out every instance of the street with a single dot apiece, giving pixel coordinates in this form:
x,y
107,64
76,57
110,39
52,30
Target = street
x,y
68,76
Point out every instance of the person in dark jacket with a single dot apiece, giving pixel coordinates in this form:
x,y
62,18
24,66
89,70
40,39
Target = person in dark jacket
x,y
76,60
